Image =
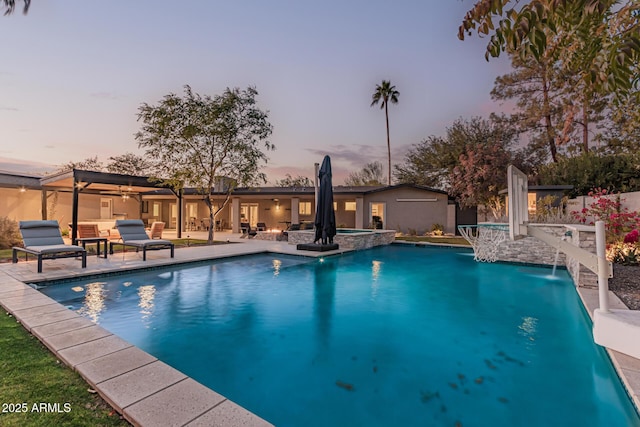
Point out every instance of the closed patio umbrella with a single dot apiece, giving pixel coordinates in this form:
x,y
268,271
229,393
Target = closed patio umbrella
x,y
325,222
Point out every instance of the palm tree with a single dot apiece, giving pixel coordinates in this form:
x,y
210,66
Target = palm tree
x,y
386,93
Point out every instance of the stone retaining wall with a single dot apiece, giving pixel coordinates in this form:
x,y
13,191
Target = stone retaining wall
x,y
357,241
584,237
531,250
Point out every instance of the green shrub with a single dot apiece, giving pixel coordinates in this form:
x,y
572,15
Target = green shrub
x,y
437,230
9,233
614,172
617,219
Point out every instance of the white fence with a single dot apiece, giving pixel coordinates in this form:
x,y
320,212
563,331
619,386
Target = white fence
x,y
630,201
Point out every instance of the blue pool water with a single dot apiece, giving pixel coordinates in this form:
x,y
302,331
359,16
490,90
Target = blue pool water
x,y
385,337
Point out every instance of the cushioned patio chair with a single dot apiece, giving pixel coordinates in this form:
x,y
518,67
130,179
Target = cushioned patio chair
x,y
132,233
90,234
91,231
247,231
285,233
155,232
43,239
261,226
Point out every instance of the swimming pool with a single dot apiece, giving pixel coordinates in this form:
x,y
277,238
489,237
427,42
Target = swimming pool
x,y
388,336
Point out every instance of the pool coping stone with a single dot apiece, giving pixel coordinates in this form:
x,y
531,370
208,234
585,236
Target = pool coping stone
x,y
175,405
627,367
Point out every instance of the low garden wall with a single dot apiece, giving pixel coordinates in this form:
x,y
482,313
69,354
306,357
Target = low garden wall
x,y
351,240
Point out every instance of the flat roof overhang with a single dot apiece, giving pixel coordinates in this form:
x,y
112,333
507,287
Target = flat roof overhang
x,y
79,182
95,182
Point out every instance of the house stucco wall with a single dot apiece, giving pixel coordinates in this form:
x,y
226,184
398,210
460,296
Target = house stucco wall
x,y
408,215
20,205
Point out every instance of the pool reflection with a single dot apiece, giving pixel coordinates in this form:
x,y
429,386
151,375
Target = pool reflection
x,y
147,295
324,294
94,301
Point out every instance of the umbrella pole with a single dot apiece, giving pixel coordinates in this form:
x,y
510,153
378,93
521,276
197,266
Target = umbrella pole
x,y
316,183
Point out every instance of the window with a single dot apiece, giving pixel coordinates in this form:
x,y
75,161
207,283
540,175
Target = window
x,y
335,206
377,215
156,209
304,208
192,210
349,206
531,202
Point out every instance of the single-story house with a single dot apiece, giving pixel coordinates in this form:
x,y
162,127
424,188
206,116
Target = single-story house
x,y
78,195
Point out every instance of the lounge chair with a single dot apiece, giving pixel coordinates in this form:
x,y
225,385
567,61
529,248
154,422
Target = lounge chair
x,y
285,234
247,231
155,232
43,239
132,233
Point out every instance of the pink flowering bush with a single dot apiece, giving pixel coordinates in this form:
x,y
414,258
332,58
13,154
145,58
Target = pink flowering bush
x,y
617,219
632,237
622,226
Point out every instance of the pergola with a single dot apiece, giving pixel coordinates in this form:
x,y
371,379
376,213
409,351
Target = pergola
x,y
91,182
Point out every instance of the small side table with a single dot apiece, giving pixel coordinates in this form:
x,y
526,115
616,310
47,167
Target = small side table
x,y
97,241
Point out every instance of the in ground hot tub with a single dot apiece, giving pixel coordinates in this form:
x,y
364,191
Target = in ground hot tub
x,y
348,238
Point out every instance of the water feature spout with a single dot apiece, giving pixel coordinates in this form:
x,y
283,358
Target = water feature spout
x,y
555,262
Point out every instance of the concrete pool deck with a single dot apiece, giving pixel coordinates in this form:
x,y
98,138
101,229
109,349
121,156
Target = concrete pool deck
x,y
145,390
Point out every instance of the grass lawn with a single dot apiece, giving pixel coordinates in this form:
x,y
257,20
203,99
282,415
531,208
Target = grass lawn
x,y
30,376
5,255
446,240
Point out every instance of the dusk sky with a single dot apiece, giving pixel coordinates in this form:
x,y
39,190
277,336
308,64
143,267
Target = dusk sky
x,y
73,74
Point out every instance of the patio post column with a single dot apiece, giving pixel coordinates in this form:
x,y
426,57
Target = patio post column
x,y
235,215
74,210
180,222
359,212
43,201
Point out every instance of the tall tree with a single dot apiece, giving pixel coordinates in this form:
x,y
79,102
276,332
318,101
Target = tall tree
x,y
129,164
298,181
469,162
371,174
615,172
384,94
622,134
535,86
481,172
89,164
197,140
552,107
598,39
